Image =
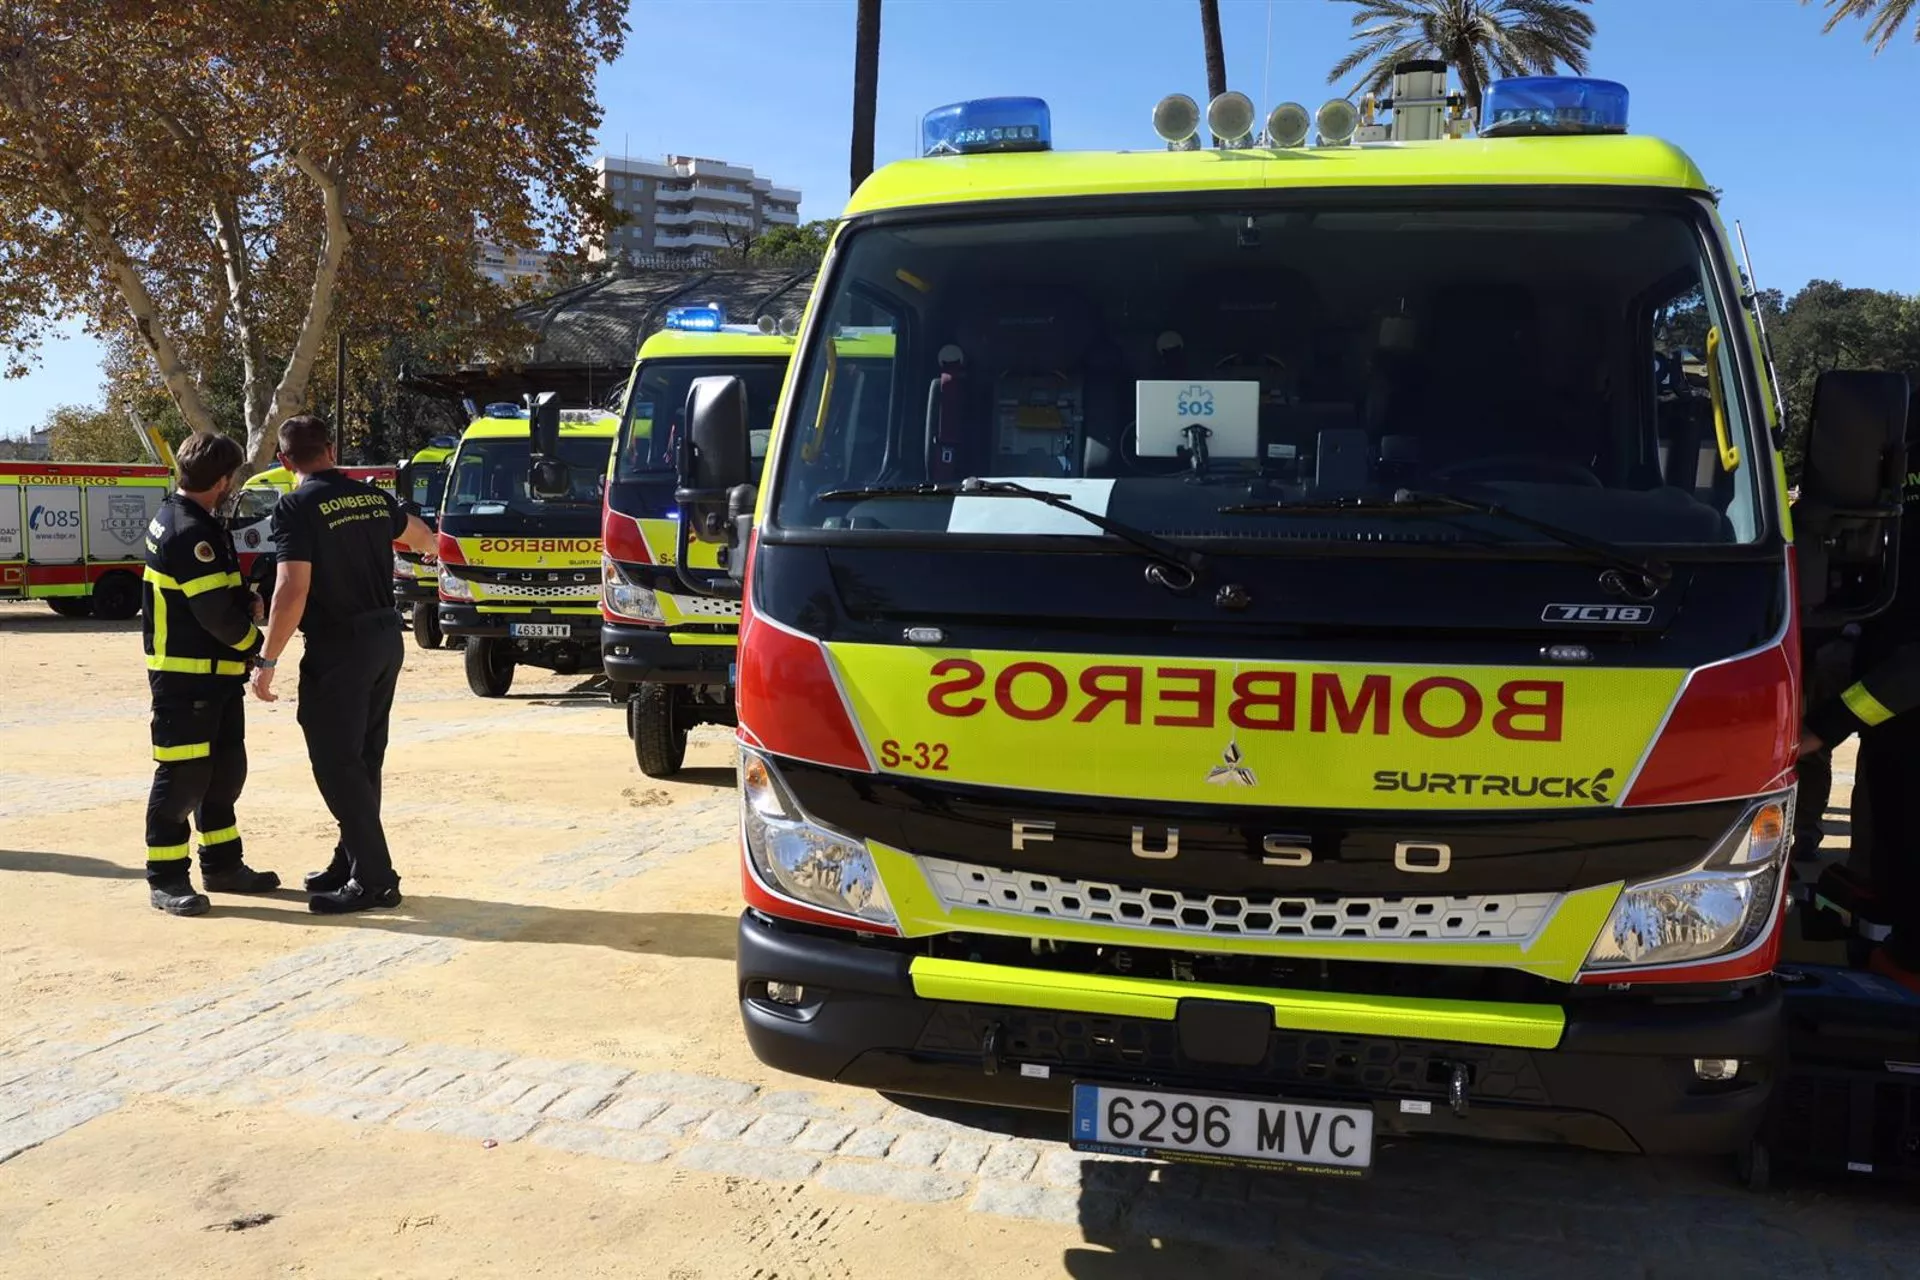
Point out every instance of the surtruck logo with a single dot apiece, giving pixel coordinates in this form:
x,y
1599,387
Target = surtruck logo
x,y
1598,788
126,516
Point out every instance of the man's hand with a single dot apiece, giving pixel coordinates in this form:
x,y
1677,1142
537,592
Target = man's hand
x,y
258,607
263,684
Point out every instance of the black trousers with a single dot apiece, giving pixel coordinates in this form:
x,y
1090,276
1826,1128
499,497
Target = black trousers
x,y
347,680
1886,826
200,766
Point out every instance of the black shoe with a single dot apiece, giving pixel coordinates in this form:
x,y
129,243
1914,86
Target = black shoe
x,y
178,899
353,896
240,879
329,881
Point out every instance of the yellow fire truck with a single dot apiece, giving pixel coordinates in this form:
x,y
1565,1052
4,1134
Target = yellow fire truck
x,y
667,639
1274,670
519,541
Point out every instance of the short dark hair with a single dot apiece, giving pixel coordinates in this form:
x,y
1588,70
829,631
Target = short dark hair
x,y
204,459
304,438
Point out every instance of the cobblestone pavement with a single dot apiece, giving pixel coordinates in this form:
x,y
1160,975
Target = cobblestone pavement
x,y
275,1037
1430,1210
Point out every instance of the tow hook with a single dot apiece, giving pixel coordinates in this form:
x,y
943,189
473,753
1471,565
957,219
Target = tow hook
x,y
990,1050
1457,1091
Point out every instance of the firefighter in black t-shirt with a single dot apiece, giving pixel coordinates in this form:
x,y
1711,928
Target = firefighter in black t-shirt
x,y
334,542
198,634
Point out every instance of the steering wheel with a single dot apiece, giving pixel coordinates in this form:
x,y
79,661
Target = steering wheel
x,y
1515,466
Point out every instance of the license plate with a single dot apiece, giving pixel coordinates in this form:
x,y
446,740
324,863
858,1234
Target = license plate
x,y
1303,1137
539,630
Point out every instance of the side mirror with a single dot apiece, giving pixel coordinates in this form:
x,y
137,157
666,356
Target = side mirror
x,y
543,424
403,487
714,457
550,480
1847,521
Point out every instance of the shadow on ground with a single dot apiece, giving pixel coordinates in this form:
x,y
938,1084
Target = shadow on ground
x,y
666,933
25,619
67,864
1442,1209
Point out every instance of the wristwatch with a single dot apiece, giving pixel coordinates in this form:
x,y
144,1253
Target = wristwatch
x,y
268,663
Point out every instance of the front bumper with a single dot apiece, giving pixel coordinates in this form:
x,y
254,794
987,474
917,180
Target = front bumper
x,y
414,590
467,620
635,654
1620,1079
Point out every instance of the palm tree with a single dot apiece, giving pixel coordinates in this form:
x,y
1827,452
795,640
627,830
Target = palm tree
x,y
866,88
1886,17
1479,39
1216,59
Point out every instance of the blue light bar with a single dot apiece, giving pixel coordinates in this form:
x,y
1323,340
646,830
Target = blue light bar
x,y
505,409
987,125
1543,106
706,319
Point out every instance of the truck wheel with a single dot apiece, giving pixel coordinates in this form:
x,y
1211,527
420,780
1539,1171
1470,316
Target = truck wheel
x,y
426,624
489,666
659,745
71,606
116,597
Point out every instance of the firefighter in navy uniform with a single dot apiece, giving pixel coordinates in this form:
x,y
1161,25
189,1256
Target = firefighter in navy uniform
x,y
1883,707
334,541
199,635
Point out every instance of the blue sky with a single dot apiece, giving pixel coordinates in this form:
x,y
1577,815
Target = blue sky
x,y
1809,136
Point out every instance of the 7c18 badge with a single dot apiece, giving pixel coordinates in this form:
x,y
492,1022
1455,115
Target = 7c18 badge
x,y
203,552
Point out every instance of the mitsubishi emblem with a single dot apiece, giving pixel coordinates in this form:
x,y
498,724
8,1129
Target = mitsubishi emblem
x,y
1230,772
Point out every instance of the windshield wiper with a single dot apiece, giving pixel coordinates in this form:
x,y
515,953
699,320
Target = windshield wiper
x,y
1185,564
1652,575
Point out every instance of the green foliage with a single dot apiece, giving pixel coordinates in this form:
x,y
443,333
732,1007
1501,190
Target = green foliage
x,y
1481,40
801,246
1829,326
84,434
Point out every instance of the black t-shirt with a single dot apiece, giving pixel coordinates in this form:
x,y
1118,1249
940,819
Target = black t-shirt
x,y
345,530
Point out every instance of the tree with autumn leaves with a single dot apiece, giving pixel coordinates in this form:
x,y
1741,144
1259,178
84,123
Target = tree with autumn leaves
x,y
230,181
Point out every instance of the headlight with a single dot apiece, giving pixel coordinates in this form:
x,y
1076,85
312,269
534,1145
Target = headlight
x,y
803,860
626,598
1720,907
453,587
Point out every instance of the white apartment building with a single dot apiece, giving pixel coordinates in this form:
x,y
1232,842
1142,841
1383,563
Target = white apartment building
x,y
689,204
505,266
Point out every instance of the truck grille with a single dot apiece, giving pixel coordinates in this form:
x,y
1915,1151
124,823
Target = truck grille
x,y
704,606
1505,917
501,592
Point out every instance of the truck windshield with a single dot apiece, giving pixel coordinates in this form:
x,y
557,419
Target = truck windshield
x,y
658,402
490,476
429,479
1568,365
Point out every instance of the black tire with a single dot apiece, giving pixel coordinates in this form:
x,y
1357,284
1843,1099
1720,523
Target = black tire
x,y
1754,1166
659,745
426,624
71,606
489,666
116,597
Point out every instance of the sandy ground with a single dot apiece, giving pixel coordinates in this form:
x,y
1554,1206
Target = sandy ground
x,y
516,824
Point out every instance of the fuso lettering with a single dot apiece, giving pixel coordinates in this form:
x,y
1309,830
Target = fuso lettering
x,y
1177,697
